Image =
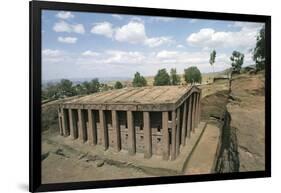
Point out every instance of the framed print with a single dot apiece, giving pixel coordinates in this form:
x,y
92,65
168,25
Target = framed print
x,y
125,96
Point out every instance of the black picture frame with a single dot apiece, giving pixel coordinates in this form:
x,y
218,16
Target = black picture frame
x,y
36,7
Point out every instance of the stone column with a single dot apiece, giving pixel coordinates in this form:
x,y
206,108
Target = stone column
x,y
131,133
82,134
183,129
147,135
173,149
60,124
165,138
198,109
65,125
72,124
75,121
116,127
92,129
178,133
193,112
103,129
189,116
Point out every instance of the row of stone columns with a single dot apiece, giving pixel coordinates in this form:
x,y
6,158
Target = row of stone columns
x,y
179,129
182,125
77,128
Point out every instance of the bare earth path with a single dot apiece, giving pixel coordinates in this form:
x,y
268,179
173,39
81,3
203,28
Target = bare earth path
x,y
202,159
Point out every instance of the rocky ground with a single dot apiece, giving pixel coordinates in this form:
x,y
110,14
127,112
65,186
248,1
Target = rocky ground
x,y
238,113
62,163
243,130
239,109
247,110
73,160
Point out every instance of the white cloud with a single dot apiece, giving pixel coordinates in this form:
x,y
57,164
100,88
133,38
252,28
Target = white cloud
x,y
90,53
68,40
147,61
125,63
164,54
104,28
133,32
78,28
153,61
248,59
120,57
63,26
209,38
52,56
158,41
51,53
112,57
117,16
64,15
201,37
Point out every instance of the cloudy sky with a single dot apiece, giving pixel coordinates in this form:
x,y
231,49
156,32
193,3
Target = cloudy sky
x,y
90,45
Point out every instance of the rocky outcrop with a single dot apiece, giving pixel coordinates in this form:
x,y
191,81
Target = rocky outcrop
x,y
247,111
214,108
242,134
228,156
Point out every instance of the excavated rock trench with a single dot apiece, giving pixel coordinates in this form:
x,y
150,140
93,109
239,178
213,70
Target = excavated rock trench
x,y
228,156
240,112
214,109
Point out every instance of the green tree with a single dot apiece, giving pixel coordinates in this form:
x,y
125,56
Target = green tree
x,y
161,78
65,88
259,51
212,59
86,87
80,89
192,75
118,85
139,81
104,87
175,78
237,60
94,86
51,91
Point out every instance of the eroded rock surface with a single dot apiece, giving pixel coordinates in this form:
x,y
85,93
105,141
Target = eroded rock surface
x,y
248,120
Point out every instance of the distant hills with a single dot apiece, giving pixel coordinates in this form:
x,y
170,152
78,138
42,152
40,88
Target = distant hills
x,y
76,81
127,80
